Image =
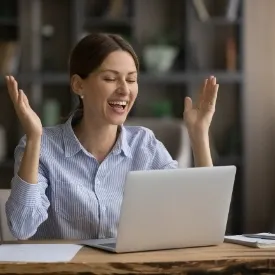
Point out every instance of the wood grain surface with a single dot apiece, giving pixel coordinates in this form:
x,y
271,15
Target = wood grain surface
x,y
223,259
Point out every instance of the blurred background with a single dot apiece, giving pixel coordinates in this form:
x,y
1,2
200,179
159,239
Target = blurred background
x,y
179,43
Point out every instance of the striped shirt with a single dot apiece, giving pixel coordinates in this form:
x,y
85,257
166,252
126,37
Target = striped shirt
x,y
76,197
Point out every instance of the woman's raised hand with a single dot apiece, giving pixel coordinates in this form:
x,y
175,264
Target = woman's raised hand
x,y
29,120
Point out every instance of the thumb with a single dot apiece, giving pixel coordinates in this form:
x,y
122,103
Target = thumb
x,y
188,105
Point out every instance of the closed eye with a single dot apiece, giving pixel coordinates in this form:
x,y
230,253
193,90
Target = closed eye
x,y
109,79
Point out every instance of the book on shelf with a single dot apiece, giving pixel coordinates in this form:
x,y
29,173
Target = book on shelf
x,y
201,10
232,10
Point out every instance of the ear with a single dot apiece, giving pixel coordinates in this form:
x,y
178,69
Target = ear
x,y
77,84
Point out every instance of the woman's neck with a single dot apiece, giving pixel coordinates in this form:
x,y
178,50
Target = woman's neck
x,y
95,138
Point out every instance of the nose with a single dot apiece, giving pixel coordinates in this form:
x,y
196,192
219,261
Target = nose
x,y
123,88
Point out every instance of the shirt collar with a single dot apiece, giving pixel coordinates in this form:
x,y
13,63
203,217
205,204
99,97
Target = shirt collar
x,y
72,145
122,145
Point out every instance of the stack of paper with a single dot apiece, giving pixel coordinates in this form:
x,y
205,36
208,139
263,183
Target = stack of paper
x,y
38,252
257,240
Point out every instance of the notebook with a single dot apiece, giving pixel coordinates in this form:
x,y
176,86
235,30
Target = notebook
x,y
256,240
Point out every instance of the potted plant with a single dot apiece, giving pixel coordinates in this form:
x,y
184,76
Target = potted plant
x,y
160,52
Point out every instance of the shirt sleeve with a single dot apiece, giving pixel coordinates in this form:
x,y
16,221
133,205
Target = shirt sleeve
x,y
27,204
161,157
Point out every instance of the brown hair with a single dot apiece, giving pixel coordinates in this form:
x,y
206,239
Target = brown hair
x,y
90,52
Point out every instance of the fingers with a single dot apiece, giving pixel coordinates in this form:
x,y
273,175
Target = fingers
x,y
214,95
25,99
202,94
12,88
211,92
23,103
18,97
188,105
207,96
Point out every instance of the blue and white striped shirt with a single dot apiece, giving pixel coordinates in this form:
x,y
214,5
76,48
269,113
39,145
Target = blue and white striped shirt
x,y
76,197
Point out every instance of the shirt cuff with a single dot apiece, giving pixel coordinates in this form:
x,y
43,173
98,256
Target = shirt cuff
x,y
25,193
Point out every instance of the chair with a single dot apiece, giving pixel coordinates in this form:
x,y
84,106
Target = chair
x,y
5,234
172,133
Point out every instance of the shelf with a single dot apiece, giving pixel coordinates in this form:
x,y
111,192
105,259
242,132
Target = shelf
x,y
52,78
8,21
189,77
93,22
44,78
144,78
221,21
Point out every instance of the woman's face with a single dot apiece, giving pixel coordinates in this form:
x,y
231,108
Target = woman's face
x,y
110,91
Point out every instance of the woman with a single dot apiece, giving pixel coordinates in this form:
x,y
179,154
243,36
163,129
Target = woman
x,y
68,180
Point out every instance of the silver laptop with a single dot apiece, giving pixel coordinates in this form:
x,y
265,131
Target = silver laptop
x,y
168,209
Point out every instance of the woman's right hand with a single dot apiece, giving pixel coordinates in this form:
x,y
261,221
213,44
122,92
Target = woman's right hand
x,y
29,120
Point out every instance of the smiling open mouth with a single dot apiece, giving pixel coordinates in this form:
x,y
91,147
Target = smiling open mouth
x,y
118,104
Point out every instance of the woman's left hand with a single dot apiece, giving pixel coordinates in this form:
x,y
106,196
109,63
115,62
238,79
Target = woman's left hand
x,y
198,116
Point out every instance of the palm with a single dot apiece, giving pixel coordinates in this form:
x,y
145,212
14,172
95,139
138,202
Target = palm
x,y
199,117
28,118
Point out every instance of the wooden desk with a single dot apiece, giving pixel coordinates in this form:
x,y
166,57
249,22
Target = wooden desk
x,y
223,259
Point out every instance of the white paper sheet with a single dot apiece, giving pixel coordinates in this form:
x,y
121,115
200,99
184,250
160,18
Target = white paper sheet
x,y
250,240
43,253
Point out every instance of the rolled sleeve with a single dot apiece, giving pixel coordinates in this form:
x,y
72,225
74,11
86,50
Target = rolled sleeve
x,y
27,205
25,193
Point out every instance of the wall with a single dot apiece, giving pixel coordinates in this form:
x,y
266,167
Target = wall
x,y
259,114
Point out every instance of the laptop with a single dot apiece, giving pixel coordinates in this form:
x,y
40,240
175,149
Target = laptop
x,y
169,209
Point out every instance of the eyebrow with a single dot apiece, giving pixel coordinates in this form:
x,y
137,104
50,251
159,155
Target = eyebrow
x,y
116,72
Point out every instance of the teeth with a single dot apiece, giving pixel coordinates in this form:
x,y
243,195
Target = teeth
x,y
122,103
